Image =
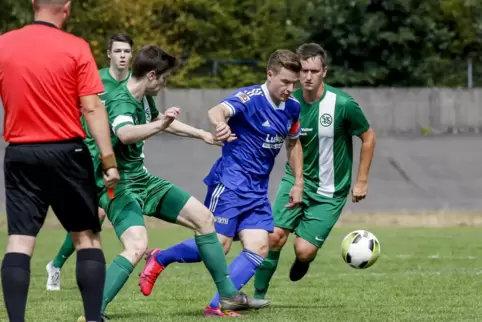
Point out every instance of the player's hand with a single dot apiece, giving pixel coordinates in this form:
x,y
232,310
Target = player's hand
x,y
111,177
209,138
359,191
170,115
296,197
223,132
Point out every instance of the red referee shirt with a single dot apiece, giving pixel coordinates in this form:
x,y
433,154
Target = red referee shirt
x,y
43,72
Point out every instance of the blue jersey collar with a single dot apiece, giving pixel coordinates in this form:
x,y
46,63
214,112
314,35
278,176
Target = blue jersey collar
x,y
281,106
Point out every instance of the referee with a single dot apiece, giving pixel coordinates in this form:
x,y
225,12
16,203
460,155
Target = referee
x,y
46,76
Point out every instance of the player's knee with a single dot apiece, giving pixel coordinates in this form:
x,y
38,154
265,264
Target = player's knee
x,y
85,239
256,244
305,251
21,244
136,249
197,217
135,242
278,238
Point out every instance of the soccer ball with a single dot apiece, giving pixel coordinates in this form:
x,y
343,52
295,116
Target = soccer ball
x,y
360,249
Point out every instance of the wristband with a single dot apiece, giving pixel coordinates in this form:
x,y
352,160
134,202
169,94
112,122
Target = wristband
x,y
108,162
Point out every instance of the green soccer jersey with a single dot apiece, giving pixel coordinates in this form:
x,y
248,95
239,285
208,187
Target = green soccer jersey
x,y
110,83
327,127
124,109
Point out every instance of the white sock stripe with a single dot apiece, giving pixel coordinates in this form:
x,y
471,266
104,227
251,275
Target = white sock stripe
x,y
255,258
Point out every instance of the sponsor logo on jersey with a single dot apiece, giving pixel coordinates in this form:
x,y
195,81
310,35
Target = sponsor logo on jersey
x,y
273,142
326,120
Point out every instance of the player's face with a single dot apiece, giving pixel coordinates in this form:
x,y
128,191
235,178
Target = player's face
x,y
282,84
312,73
120,55
155,83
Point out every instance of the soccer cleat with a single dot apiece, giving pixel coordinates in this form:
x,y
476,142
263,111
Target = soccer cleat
x,y
211,311
298,270
151,271
256,304
53,278
240,302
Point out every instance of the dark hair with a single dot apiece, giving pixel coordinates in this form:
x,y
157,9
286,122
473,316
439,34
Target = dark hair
x,y
152,58
283,58
121,38
312,50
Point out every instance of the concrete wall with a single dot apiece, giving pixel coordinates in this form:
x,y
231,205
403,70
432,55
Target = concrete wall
x,y
389,110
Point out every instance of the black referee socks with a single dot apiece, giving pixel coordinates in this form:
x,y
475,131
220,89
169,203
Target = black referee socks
x,y
90,274
15,284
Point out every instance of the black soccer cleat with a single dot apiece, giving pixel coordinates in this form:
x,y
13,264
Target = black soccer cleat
x,y
298,270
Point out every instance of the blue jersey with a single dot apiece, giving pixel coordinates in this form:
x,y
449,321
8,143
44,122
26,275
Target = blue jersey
x,y
261,128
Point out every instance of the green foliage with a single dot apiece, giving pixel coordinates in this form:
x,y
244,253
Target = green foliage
x,y
370,42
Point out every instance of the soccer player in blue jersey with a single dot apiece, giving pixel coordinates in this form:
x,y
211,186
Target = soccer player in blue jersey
x,y
253,122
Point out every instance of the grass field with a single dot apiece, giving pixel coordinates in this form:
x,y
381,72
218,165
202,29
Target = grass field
x,y
430,273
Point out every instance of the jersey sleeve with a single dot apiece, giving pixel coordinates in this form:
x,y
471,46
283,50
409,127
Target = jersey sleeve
x,y
237,102
152,107
88,78
295,129
355,118
120,115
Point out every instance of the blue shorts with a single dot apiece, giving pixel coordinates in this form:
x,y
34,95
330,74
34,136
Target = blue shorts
x,y
233,213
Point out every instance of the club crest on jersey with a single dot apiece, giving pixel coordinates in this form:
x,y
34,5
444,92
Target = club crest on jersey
x,y
326,120
242,96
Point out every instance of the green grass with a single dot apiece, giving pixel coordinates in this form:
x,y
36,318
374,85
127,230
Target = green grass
x,y
423,274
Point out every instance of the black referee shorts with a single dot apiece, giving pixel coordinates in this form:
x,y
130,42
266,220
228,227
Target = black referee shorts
x,y
60,175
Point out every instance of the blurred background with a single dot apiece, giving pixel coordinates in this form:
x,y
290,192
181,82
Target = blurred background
x,y
415,67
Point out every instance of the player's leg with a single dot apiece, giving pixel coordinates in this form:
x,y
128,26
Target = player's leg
x,y
285,221
177,206
315,226
73,196
26,206
187,251
66,250
253,228
125,214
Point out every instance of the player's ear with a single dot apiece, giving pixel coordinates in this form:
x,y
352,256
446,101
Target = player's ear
x,y
270,74
67,7
151,75
325,70
108,53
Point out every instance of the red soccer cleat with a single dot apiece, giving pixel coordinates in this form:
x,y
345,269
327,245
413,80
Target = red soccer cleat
x,y
151,271
211,312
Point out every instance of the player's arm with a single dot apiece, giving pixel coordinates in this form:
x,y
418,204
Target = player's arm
x,y
360,127
128,133
229,107
89,85
295,154
368,139
181,129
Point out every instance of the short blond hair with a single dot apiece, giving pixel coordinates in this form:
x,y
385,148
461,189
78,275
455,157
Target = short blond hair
x,y
284,58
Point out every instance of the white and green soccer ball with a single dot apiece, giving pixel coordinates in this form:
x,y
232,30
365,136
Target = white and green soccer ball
x,y
360,249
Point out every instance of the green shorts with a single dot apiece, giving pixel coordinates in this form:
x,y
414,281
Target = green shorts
x,y
312,220
146,195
